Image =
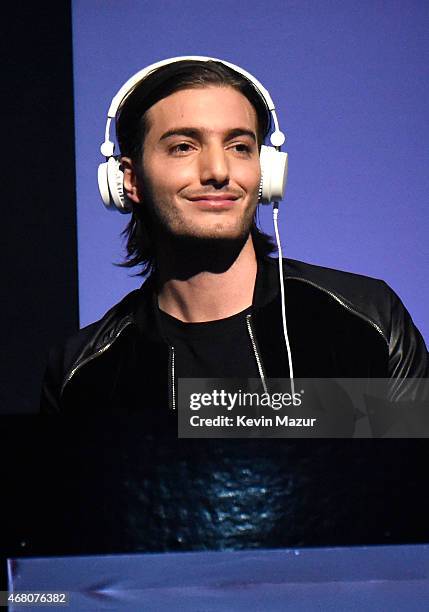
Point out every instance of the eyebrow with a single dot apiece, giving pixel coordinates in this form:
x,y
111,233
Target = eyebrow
x,y
196,133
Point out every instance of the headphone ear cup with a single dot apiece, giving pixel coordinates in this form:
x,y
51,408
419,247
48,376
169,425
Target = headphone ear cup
x,y
111,186
103,185
115,179
274,166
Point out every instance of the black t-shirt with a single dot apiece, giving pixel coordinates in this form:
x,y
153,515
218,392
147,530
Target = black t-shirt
x,y
213,349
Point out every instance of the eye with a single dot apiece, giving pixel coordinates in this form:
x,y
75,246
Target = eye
x,y
242,148
181,148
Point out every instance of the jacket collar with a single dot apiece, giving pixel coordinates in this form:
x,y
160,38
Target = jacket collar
x,y
267,282
145,309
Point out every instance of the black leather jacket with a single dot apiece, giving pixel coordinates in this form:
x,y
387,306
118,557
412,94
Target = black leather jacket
x,y
340,325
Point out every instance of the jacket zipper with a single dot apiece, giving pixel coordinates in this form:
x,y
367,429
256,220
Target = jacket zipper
x,y
172,390
255,350
100,351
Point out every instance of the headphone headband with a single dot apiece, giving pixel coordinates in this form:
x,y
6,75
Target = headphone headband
x,y
129,85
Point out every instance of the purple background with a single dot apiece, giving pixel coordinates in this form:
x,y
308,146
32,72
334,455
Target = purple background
x,y
350,82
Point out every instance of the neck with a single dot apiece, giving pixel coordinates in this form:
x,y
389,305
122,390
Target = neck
x,y
206,281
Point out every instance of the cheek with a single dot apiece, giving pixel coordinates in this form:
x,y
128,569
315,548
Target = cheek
x,y
169,180
249,177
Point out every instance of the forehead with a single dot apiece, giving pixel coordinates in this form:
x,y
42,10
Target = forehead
x,y
213,108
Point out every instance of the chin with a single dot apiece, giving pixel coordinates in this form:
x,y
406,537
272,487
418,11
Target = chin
x,y
226,229
177,227
218,233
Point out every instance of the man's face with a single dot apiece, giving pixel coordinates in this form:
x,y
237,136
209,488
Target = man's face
x,y
201,167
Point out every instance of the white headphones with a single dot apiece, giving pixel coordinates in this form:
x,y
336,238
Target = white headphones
x,y
273,161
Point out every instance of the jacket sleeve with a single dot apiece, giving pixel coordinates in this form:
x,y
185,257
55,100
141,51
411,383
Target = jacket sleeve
x,y
60,362
52,381
408,356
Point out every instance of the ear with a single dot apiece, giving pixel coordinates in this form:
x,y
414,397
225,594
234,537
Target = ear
x,y
131,188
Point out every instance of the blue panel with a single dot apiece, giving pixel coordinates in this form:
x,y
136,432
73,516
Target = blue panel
x,y
329,579
350,82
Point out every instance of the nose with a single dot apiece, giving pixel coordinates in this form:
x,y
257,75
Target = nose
x,y
214,166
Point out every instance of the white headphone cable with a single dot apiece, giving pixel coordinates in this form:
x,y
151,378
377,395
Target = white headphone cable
x,y
282,292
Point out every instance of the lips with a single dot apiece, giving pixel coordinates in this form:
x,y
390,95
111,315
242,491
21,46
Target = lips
x,y
214,203
214,198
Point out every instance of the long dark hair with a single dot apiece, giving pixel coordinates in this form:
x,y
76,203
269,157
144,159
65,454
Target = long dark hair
x,y
131,128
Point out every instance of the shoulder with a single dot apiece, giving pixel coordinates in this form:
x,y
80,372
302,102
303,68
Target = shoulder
x,y
374,300
340,280
371,298
97,334
84,343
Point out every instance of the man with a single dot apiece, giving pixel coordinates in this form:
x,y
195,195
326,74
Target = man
x,y
190,134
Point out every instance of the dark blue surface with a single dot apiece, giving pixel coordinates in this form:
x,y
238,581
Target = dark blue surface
x,y
362,578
